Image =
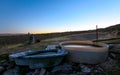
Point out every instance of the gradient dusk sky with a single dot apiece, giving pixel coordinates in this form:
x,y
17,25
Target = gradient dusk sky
x,y
42,16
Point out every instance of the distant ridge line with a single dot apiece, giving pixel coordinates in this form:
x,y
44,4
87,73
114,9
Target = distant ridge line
x,y
6,34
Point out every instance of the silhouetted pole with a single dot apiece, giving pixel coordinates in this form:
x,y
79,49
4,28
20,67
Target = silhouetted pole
x,y
96,32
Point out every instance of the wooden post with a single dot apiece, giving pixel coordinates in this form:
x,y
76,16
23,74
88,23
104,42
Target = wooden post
x,y
96,32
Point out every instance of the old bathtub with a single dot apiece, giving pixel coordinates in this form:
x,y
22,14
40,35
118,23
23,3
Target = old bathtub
x,y
86,51
39,58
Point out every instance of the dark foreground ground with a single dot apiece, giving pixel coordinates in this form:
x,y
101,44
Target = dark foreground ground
x,y
111,66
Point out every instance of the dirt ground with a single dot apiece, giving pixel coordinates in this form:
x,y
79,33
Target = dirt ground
x,y
55,41
43,44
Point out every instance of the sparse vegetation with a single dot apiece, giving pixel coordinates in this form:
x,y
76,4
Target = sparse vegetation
x,y
7,41
12,40
22,39
18,43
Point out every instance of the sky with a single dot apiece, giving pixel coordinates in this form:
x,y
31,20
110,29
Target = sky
x,y
46,16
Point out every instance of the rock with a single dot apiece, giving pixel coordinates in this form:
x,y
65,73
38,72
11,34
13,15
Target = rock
x,y
85,68
114,46
42,71
117,45
37,40
112,56
29,73
14,71
76,67
2,69
36,72
51,47
118,34
62,68
110,64
11,65
6,64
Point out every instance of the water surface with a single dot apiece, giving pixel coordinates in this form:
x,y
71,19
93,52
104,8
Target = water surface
x,y
80,46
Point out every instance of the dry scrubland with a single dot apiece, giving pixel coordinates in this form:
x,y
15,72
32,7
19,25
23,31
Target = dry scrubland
x,y
12,44
18,43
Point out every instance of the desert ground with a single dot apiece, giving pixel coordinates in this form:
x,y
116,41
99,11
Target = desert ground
x,y
91,36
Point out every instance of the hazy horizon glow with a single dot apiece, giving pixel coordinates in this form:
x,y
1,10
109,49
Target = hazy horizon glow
x,y
46,16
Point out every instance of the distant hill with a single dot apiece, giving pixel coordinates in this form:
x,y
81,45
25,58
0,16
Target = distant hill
x,y
113,28
6,34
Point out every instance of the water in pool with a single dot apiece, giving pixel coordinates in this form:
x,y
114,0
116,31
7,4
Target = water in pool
x,y
79,46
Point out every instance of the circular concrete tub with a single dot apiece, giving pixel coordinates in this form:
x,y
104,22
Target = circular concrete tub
x,y
86,51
